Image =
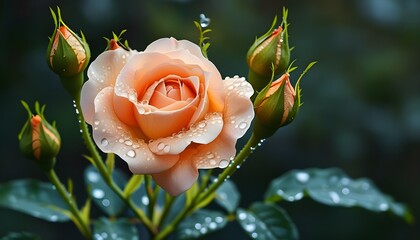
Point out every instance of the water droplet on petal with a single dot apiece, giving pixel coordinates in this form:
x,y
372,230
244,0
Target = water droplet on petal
x,y
242,125
160,146
204,21
104,142
131,153
223,163
96,122
210,155
212,162
167,148
202,125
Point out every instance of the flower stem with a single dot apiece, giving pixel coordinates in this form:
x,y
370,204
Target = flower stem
x,y
239,159
105,173
81,223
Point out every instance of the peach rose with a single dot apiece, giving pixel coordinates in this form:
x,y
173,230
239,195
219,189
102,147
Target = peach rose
x,y
166,111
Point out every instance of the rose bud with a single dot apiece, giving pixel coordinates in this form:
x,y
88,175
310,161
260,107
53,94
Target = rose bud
x,y
269,53
277,104
39,140
67,55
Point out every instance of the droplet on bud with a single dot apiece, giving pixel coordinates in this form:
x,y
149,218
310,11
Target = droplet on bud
x,y
204,21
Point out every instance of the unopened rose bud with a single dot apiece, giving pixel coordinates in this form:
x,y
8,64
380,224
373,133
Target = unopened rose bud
x,y
68,55
269,54
113,45
277,104
39,140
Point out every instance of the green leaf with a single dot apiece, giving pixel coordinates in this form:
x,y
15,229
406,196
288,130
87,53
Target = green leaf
x,y
228,196
35,198
333,187
21,236
102,195
114,229
200,223
133,184
267,221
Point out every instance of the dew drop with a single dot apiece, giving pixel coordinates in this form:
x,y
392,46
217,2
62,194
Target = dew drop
x,y
345,181
223,163
197,226
128,143
96,122
202,125
212,162
242,216
242,125
104,142
345,191
302,177
254,235
145,200
383,206
142,110
131,153
334,197
93,177
53,218
212,225
204,21
167,148
98,193
106,202
203,230
210,155
160,146
250,227
220,219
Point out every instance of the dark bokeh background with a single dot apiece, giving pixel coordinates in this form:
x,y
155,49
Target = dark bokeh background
x,y
361,107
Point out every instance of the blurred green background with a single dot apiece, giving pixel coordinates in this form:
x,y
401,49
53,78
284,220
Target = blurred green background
x,y
361,107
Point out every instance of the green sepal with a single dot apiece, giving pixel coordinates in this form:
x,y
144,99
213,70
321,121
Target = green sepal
x,y
49,148
261,39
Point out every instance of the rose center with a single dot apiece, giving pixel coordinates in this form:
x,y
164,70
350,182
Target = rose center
x,y
171,90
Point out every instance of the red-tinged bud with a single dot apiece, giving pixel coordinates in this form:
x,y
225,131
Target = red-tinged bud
x,y
68,55
39,140
269,53
113,44
277,105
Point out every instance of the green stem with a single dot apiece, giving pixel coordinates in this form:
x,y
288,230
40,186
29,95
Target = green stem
x,y
79,221
103,170
239,159
166,209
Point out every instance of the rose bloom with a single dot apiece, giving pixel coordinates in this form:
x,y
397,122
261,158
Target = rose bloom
x,y
166,111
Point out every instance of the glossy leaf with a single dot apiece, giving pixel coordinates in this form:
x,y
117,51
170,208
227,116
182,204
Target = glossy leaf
x,y
104,228
102,195
35,198
227,196
200,223
333,187
267,221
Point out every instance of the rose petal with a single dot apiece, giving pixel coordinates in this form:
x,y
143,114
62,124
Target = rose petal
x,y
202,132
180,177
166,121
102,73
237,117
111,135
